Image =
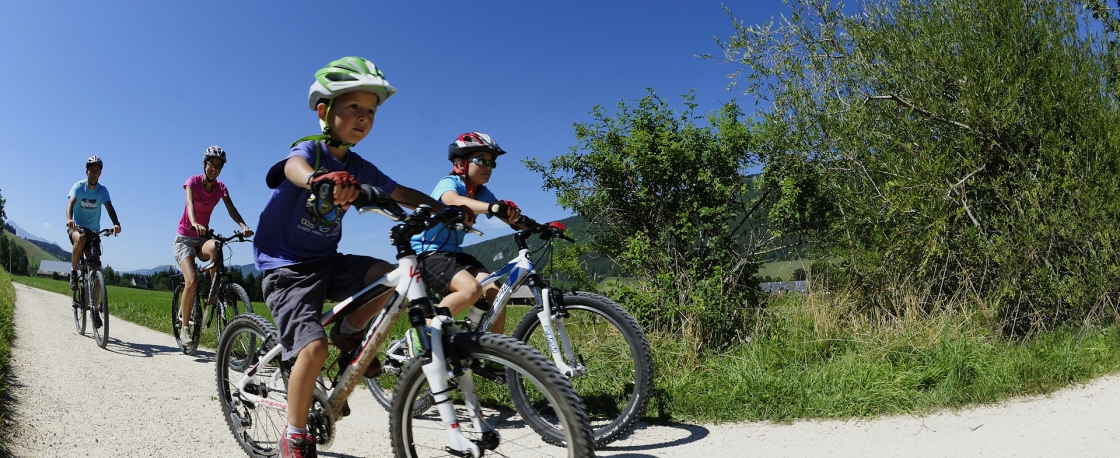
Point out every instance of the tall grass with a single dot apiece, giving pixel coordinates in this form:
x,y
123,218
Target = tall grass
x,y
7,310
816,357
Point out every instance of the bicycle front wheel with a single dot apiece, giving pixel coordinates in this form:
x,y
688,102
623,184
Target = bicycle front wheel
x,y
616,382
232,294
177,322
489,356
79,305
99,308
256,427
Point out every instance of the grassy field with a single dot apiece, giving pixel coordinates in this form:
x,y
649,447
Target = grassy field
x,y
148,308
7,308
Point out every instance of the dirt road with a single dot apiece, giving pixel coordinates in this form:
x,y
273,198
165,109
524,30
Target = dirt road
x,y
140,397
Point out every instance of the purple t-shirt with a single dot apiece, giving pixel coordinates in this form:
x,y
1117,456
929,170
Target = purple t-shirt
x,y
289,231
204,203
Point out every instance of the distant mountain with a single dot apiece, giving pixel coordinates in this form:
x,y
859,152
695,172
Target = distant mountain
x,y
27,235
153,270
248,269
245,270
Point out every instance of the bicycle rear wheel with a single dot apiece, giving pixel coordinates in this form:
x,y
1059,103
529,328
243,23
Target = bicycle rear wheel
x,y
381,387
99,308
490,356
617,382
256,427
79,297
231,295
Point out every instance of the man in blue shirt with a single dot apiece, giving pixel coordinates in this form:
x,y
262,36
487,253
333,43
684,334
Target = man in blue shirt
x,y
84,209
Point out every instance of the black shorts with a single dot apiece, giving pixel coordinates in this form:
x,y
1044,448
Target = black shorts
x,y
294,294
439,267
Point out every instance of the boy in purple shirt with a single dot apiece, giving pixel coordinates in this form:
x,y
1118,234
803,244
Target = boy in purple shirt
x,y
297,247
203,193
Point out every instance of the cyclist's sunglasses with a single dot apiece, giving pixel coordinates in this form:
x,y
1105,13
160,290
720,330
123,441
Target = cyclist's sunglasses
x,y
484,162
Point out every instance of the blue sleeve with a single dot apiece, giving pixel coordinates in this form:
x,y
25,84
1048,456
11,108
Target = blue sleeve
x,y
448,183
306,150
74,190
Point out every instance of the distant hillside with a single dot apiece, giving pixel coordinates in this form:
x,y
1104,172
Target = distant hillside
x,y
50,247
494,253
34,253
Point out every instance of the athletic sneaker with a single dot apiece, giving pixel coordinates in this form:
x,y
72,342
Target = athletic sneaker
x,y
348,346
185,335
412,339
73,280
298,445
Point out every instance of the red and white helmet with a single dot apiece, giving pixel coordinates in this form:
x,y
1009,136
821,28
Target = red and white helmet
x,y
473,141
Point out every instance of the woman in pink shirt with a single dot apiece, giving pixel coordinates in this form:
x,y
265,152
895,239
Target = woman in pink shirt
x,y
203,193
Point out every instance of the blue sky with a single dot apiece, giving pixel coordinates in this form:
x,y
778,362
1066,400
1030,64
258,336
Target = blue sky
x,y
147,86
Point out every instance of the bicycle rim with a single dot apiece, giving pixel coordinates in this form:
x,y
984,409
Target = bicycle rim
x,y
79,296
618,380
257,428
99,304
383,385
424,435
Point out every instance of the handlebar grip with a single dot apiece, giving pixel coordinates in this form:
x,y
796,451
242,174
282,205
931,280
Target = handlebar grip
x,y
324,195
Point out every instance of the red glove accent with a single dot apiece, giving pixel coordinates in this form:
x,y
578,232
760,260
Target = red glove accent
x,y
340,178
557,225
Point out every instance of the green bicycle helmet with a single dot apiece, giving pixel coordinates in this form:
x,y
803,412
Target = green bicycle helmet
x,y
345,75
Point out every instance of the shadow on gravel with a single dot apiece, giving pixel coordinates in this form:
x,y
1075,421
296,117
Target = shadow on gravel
x,y
7,413
138,350
695,433
338,455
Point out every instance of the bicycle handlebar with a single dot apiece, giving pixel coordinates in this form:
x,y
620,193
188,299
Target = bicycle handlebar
x,y
240,236
104,232
373,199
526,226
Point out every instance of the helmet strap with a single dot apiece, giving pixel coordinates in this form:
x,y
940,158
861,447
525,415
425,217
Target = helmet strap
x,y
327,130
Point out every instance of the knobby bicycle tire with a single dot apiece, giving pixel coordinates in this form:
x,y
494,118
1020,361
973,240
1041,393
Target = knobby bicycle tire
x,y
618,382
490,356
231,294
79,297
176,324
256,428
99,304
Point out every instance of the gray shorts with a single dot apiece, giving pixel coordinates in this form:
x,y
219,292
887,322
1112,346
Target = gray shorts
x,y
294,294
186,247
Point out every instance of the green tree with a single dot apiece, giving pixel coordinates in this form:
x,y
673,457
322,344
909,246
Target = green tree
x,y
971,147
667,199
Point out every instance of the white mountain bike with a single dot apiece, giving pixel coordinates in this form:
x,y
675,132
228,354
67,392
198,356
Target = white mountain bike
x,y
592,340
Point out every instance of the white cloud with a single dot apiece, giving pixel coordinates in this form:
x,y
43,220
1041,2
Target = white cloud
x,y
47,226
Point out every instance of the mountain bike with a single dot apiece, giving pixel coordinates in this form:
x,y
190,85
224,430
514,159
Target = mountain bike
x,y
91,294
219,313
473,415
592,340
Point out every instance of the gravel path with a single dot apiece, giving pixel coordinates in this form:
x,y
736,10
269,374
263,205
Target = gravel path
x,y
140,397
